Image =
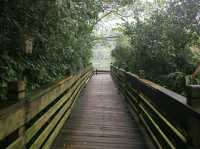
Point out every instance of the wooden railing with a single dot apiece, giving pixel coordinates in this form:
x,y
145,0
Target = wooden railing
x,y
97,71
171,123
35,122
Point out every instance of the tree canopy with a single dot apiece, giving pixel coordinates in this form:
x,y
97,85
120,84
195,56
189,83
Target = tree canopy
x,y
44,40
160,43
58,33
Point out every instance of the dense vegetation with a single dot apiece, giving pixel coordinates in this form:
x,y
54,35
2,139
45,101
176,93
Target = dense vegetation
x,y
43,40
59,32
161,43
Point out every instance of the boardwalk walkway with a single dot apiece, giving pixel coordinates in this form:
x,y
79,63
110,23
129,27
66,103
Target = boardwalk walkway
x,y
101,120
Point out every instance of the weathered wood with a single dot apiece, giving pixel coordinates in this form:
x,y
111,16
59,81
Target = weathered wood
x,y
28,43
40,140
100,120
97,71
16,90
50,140
193,96
17,144
66,108
142,74
16,117
165,125
44,118
164,113
16,86
149,130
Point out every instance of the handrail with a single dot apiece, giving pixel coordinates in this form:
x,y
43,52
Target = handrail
x,y
169,120
97,71
35,121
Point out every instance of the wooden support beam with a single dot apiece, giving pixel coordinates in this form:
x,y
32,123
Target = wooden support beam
x,y
142,74
16,90
193,96
28,44
196,72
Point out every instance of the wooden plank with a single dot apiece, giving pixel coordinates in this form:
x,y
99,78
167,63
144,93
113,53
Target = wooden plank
x,y
40,140
17,115
168,92
79,90
50,140
39,124
44,118
169,144
156,141
100,120
170,105
167,125
17,144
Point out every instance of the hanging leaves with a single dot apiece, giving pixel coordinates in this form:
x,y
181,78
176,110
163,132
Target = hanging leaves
x,y
161,43
57,34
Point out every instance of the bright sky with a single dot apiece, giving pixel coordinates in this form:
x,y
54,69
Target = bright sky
x,y
102,50
105,28
106,25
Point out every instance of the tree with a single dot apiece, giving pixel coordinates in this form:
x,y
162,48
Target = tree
x,y
161,44
60,32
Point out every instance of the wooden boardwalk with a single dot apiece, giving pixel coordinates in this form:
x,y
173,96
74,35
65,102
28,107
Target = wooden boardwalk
x,y
100,120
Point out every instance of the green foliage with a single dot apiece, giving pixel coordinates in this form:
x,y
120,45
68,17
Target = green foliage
x,y
161,44
123,55
62,39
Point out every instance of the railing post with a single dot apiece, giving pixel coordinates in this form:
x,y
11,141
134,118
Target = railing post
x,y
21,133
194,135
16,90
193,96
142,74
193,99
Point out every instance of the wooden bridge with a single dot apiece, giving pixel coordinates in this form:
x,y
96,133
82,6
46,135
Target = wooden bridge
x,y
87,111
